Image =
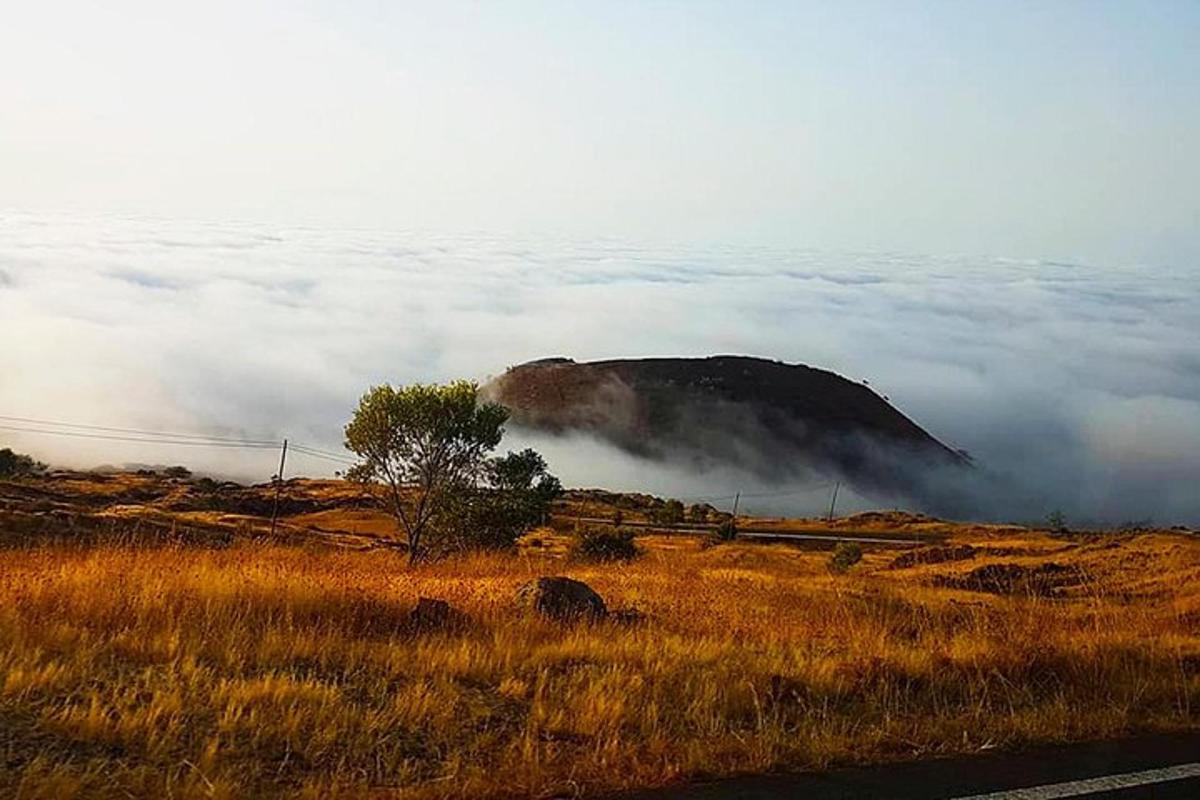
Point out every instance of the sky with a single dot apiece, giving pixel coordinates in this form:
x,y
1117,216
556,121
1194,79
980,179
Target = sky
x,y
232,218
1032,129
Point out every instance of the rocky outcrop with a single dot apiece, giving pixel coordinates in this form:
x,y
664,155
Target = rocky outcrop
x,y
562,599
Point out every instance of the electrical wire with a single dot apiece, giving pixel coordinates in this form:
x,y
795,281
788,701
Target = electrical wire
x,y
145,439
311,453
79,430
137,431
319,452
141,436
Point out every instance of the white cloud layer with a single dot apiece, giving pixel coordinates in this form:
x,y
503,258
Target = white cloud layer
x,y
1078,383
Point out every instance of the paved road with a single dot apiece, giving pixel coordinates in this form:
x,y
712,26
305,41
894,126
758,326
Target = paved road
x,y
829,536
1162,767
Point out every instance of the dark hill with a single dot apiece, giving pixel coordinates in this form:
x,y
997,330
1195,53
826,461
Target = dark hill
x,y
779,421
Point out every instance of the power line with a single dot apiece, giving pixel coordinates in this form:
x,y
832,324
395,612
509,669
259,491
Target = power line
x,y
805,490
320,452
79,430
249,445
142,436
324,457
706,497
137,431
808,488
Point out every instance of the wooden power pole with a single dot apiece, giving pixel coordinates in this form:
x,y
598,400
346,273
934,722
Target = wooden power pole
x,y
833,501
278,487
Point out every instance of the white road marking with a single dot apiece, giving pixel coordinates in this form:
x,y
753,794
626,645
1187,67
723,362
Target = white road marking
x,y
1105,783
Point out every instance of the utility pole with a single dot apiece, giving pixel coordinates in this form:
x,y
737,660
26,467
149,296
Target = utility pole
x,y
736,498
278,487
833,501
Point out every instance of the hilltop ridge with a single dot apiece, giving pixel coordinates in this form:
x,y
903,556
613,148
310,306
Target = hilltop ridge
x,y
779,421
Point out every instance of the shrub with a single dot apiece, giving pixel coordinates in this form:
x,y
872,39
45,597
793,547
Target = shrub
x,y
514,497
207,485
605,544
845,556
669,514
726,531
1057,521
15,465
177,472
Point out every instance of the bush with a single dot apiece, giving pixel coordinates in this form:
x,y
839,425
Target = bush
x,y
1057,521
605,544
207,485
515,497
726,531
669,514
16,465
845,556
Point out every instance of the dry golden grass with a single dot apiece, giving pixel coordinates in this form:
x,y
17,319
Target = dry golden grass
x,y
268,671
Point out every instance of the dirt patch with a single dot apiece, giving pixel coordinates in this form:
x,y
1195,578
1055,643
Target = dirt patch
x,y
254,501
1044,580
933,555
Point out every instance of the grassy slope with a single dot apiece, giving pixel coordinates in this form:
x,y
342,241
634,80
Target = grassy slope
x,y
272,669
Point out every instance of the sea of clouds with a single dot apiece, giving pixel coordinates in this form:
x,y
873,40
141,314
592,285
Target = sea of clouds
x,y
1078,384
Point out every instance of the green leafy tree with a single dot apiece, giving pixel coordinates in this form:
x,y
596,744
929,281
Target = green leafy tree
x,y
427,444
514,495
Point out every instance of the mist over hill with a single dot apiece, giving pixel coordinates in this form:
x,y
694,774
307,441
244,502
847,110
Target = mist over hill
x,y
1075,385
783,423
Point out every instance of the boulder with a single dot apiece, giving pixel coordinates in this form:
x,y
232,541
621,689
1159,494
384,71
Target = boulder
x,y
562,599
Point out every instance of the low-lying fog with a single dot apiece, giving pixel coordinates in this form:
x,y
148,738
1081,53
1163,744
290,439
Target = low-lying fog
x,y
1079,383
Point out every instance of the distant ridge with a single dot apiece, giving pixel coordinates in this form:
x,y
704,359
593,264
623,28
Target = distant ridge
x,y
779,421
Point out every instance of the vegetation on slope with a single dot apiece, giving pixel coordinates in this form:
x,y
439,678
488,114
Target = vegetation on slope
x,y
260,670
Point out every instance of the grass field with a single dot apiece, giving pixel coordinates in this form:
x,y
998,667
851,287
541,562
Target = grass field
x,y
268,670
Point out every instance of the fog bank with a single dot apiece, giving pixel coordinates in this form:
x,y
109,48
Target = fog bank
x,y
1078,383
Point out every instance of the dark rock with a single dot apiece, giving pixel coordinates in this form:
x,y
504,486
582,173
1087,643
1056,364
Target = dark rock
x,y
562,599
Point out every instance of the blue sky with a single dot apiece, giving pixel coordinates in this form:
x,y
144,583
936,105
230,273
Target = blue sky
x,y
1048,129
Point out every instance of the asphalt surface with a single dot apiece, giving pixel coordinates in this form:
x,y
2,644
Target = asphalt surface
x,y
829,536
1164,767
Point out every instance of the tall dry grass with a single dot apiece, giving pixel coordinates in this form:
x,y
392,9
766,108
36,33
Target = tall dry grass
x,y
260,671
